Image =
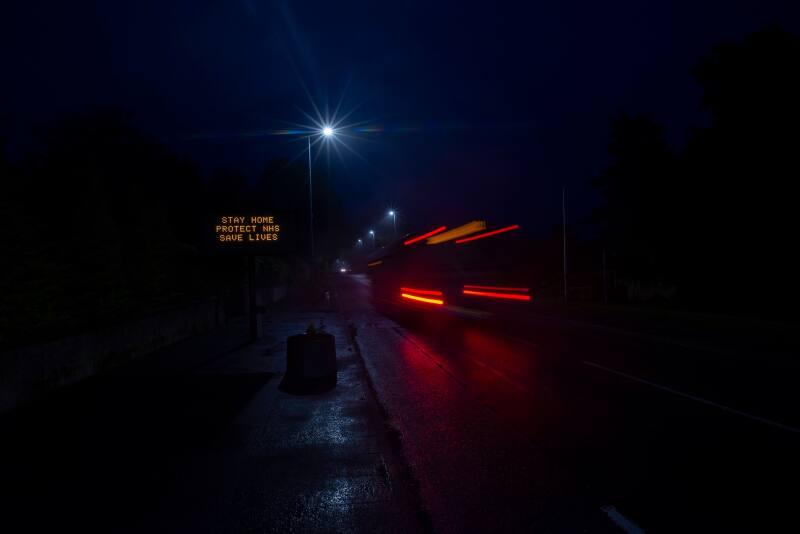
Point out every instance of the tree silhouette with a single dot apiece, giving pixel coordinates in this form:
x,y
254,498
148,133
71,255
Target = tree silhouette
x,y
93,227
743,170
717,218
640,191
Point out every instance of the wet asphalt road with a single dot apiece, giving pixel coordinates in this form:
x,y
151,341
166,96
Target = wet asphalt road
x,y
199,438
553,427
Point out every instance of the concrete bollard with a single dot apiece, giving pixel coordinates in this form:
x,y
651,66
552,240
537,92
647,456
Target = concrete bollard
x,y
310,363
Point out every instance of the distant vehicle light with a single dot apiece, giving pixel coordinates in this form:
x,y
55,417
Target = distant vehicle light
x,y
438,302
487,234
508,296
342,270
455,233
421,291
425,236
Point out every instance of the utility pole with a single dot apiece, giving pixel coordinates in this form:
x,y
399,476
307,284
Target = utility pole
x,y
310,204
605,281
252,297
564,234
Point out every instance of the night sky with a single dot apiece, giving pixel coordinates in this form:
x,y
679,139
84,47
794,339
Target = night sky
x,y
486,109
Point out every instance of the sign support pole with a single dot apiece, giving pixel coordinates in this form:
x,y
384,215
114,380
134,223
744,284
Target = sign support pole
x,y
564,234
252,308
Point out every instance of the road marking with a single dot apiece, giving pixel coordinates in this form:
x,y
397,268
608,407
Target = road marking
x,y
440,364
503,375
642,336
695,398
621,521
523,340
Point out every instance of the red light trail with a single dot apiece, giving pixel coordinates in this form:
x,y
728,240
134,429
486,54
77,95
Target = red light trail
x,y
421,291
425,236
509,296
498,288
487,234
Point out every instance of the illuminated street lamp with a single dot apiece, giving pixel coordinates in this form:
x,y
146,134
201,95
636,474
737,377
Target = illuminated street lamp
x,y
372,233
327,132
393,215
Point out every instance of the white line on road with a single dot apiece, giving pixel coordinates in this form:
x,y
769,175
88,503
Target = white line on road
x,y
440,364
621,521
523,340
695,398
503,375
654,338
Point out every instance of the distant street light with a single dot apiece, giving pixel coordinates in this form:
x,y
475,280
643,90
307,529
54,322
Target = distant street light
x,y
372,233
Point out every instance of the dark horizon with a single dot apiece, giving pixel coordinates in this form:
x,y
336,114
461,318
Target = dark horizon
x,y
531,108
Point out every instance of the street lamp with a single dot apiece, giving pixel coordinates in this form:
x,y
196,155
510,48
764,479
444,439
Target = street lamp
x,y
372,233
325,131
393,215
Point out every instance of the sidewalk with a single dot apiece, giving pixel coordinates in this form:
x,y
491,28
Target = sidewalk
x,y
198,438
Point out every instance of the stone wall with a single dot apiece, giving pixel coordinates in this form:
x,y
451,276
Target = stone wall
x,y
27,373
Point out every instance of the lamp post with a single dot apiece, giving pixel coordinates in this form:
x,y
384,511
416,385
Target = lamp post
x,y
372,233
325,131
564,235
393,215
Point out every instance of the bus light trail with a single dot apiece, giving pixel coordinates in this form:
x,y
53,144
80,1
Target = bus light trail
x,y
508,296
421,291
487,234
499,288
438,302
425,236
455,233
